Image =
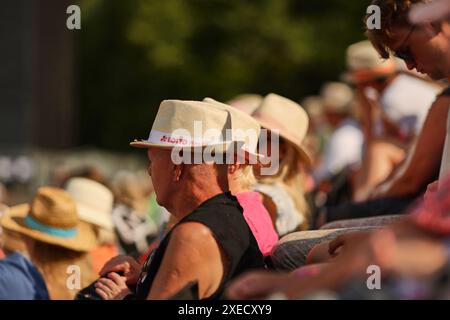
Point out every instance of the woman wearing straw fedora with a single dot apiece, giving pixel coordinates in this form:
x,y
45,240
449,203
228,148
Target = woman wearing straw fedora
x,y
211,242
282,190
55,240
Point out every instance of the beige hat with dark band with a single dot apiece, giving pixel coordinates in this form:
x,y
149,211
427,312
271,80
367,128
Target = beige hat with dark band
x,y
279,113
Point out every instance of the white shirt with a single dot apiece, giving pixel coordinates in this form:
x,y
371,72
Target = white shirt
x,y
406,102
445,163
344,149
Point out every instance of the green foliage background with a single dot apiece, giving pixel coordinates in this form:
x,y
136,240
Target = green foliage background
x,y
132,54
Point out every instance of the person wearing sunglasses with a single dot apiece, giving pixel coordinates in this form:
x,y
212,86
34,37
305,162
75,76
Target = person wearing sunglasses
x,y
393,104
423,47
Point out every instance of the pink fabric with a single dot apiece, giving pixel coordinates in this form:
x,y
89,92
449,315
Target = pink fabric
x,y
259,221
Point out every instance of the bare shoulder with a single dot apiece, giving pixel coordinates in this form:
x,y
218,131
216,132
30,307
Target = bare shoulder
x,y
192,233
442,102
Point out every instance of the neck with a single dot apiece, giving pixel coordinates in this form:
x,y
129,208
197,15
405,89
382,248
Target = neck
x,y
193,196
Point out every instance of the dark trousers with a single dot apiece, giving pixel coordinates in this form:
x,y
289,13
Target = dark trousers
x,y
371,208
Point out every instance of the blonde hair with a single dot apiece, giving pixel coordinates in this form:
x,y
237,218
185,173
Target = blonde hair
x,y
245,177
105,237
290,175
53,263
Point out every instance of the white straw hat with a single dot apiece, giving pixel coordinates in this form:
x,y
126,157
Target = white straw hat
x,y
94,201
243,127
190,124
279,113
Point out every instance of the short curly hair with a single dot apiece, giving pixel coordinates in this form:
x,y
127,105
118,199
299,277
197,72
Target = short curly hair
x,y
394,13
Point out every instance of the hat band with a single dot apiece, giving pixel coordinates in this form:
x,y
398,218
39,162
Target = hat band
x,y
57,232
159,137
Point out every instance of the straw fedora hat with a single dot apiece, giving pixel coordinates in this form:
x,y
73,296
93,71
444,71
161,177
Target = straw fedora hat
x,y
189,124
364,63
279,113
94,201
247,103
337,97
241,124
51,218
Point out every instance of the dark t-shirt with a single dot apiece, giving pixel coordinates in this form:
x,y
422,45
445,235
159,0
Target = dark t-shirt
x,y
223,215
446,92
20,280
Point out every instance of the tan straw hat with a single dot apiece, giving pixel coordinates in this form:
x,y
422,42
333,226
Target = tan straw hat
x,y
364,62
278,113
189,124
51,218
243,127
337,97
94,201
247,103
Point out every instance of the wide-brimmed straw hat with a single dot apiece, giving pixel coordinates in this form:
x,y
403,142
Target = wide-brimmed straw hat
x,y
51,218
178,122
243,127
94,201
279,113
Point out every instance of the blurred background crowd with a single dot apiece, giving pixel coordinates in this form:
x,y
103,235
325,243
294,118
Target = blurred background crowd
x,y
71,100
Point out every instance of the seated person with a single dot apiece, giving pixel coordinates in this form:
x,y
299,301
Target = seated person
x,y
54,240
211,243
282,184
414,247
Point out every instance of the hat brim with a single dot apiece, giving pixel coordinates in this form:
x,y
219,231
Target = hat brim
x,y
222,147
84,241
270,125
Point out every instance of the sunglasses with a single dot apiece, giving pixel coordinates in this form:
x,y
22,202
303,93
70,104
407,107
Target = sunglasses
x,y
404,52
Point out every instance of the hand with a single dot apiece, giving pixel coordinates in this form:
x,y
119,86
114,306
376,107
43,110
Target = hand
x,y
258,285
113,287
347,240
432,188
128,266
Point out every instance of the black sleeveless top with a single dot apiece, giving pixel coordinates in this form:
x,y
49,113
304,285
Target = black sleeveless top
x,y
446,92
223,215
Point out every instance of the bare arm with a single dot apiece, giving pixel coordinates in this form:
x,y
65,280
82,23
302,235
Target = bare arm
x,y
192,255
426,158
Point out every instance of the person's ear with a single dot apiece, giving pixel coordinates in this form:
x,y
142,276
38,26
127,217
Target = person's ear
x,y
232,168
177,172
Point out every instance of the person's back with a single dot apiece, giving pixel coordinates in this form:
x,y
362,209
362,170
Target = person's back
x,y
259,221
20,280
